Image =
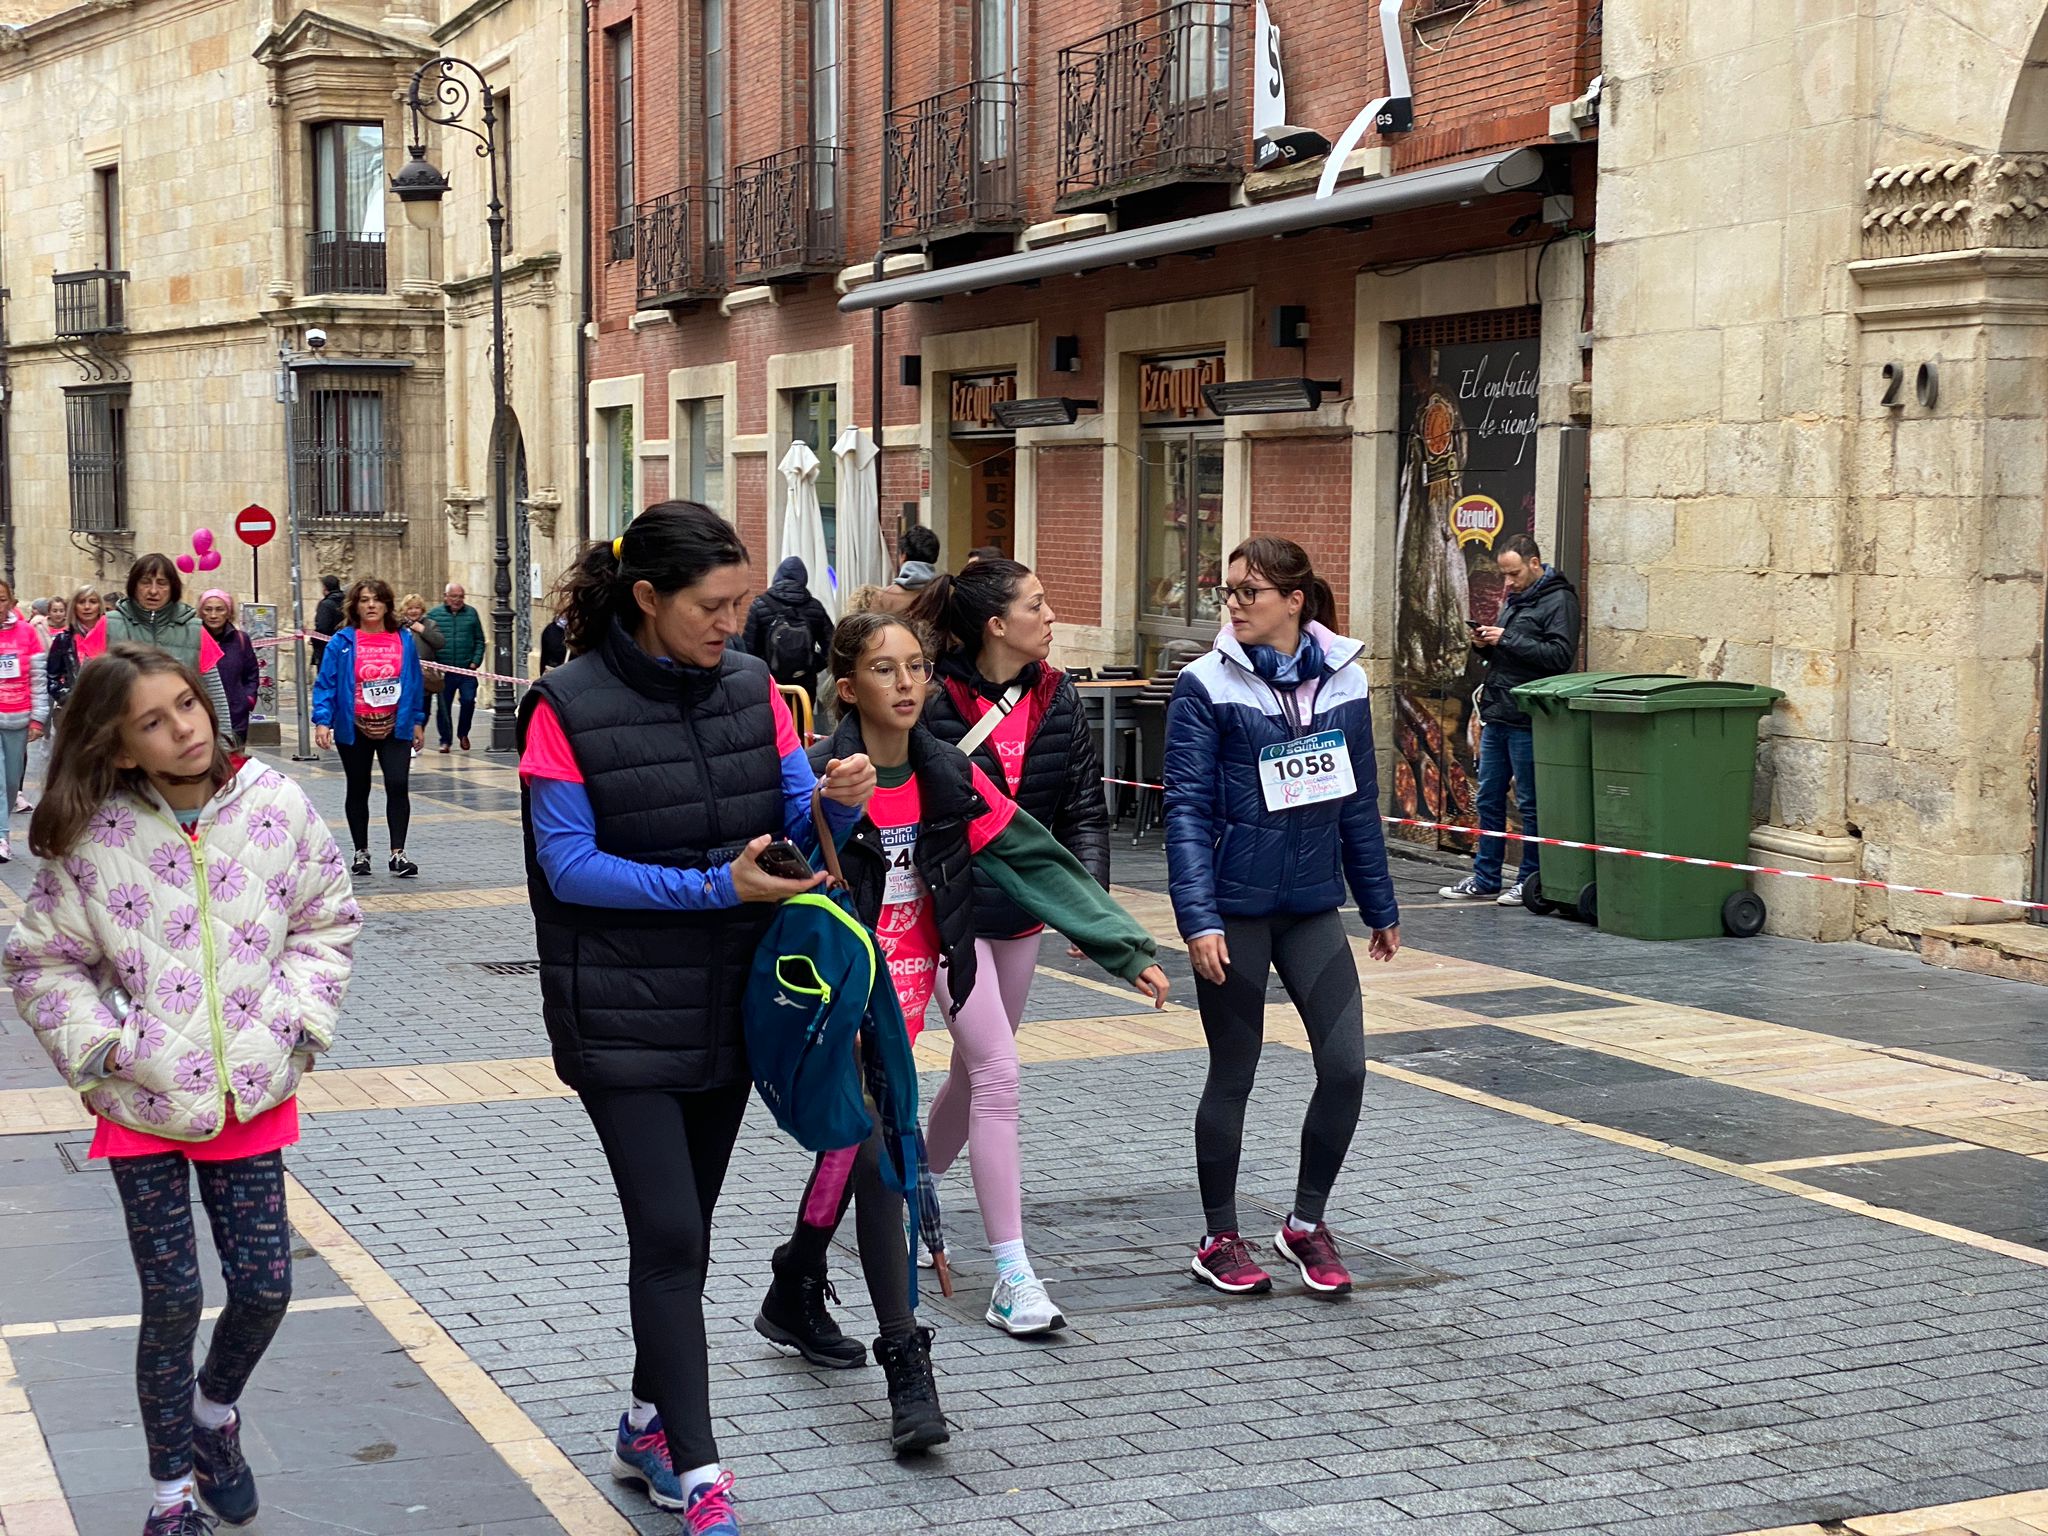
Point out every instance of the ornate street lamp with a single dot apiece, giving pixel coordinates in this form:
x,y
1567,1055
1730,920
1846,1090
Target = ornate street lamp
x,y
442,92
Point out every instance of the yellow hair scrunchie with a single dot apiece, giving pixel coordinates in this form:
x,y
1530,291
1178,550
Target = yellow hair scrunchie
x,y
617,547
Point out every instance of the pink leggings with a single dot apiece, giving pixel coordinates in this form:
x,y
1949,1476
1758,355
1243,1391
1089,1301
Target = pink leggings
x,y
976,1107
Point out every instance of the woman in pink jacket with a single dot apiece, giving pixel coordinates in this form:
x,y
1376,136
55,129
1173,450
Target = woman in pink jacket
x,y
24,703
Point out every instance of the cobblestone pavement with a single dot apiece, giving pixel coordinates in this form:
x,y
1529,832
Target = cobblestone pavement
x,y
1651,1239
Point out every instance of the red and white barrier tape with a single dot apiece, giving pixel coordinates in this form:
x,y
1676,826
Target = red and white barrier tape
x,y
488,677
1514,837
1678,858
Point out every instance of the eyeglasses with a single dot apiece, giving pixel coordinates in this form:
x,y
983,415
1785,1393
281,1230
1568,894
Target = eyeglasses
x,y
1243,596
888,672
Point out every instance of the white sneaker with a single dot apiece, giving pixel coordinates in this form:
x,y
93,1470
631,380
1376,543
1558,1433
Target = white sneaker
x,y
1512,896
21,804
1022,1308
6,851
924,1256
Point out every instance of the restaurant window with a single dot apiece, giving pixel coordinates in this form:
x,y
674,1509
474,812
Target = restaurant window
x,y
615,431
96,444
1180,499
347,242
981,462
814,419
704,421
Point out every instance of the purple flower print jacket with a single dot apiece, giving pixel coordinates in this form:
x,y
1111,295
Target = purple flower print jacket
x,y
234,947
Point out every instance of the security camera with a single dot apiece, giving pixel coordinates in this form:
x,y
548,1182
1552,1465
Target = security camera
x,y
316,338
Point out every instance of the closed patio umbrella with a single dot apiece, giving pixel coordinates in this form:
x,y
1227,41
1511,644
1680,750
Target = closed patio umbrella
x,y
863,555
803,524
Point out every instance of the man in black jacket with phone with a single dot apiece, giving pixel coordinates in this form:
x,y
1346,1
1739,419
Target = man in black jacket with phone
x,y
1537,636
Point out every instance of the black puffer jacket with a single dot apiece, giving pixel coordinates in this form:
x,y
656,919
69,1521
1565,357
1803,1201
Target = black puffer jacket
x,y
947,801
1539,638
789,598
681,770
1061,785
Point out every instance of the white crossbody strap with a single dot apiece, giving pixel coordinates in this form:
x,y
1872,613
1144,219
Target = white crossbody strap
x,y
985,727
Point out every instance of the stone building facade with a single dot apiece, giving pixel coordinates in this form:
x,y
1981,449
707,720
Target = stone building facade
x,y
187,200
1821,434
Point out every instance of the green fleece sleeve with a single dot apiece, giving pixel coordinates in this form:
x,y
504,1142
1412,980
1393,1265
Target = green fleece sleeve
x,y
1040,876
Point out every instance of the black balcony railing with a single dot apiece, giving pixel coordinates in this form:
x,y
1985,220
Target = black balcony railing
x,y
785,215
343,261
90,303
952,162
1151,101
681,246
619,241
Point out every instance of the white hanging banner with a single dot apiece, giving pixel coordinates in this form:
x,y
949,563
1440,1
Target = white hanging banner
x,y
1269,97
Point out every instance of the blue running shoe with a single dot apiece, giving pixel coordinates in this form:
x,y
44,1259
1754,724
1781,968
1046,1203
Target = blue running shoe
x,y
223,1476
641,1457
710,1512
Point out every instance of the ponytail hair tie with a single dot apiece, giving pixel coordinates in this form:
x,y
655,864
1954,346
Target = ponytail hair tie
x,y
617,547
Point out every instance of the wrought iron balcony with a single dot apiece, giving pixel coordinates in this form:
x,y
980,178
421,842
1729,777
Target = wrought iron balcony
x,y
1152,101
682,247
90,303
345,261
785,215
952,163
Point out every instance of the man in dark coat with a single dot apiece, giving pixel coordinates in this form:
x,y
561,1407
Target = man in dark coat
x,y
790,630
1537,636
327,617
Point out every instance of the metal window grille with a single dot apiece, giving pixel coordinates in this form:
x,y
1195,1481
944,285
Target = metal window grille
x,y
1462,330
345,446
341,262
96,443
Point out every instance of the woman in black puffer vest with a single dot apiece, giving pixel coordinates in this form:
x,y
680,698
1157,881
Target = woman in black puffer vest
x,y
994,631
655,767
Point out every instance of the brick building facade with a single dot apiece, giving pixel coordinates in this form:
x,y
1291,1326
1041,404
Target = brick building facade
x,y
766,178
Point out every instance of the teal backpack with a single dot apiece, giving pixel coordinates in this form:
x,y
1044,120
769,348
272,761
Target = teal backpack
x,y
818,985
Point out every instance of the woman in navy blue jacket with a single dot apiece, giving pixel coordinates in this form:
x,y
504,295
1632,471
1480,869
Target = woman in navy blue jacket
x,y
370,706
1272,805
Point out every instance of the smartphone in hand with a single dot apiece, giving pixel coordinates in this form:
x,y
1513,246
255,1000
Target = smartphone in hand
x,y
784,860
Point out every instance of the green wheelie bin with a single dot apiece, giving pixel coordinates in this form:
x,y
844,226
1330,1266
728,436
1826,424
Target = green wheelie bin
x,y
1563,746
1674,762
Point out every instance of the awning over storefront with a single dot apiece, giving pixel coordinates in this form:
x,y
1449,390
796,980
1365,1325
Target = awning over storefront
x,y
1513,170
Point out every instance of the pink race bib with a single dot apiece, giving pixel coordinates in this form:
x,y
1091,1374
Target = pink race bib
x,y
380,657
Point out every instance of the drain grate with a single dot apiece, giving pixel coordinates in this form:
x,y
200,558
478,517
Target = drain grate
x,y
507,967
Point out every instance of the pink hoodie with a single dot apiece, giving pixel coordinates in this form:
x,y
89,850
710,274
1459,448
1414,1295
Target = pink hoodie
x,y
24,688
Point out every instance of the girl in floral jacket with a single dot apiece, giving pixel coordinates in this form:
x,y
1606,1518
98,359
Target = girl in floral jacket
x,y
188,939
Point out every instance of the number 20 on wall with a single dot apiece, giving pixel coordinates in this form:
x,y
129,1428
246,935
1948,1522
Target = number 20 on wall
x,y
1926,387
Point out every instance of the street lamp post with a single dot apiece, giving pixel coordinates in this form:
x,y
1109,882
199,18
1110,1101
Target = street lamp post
x,y
442,92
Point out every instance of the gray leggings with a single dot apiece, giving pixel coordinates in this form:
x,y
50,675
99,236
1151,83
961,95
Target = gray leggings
x,y
1315,963
14,758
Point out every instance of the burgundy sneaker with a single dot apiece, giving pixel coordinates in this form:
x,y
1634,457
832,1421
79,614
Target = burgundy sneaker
x,y
1226,1263
1315,1254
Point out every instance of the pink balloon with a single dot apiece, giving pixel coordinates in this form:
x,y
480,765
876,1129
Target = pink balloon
x,y
186,564
202,541
210,560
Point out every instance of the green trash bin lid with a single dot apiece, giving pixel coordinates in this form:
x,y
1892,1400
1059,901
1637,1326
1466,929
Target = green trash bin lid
x,y
1551,695
1654,695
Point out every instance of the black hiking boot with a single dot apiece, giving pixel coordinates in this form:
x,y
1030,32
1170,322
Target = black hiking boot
x,y
915,1420
793,1315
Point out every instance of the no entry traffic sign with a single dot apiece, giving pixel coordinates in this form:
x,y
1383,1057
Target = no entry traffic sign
x,y
255,526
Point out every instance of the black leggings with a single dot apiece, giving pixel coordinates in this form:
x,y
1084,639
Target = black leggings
x,y
1316,966
244,1201
394,755
855,1173
668,1153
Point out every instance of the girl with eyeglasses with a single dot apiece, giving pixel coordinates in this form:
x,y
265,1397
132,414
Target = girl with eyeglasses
x,y
1017,716
935,819
1272,807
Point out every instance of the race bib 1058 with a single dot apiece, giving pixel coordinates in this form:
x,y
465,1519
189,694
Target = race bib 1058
x,y
1310,770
